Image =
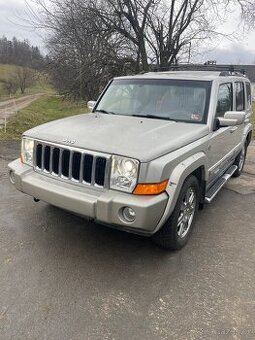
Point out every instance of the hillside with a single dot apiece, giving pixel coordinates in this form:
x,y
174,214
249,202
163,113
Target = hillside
x,y
41,84
6,70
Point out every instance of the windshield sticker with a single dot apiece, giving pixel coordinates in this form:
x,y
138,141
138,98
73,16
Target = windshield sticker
x,y
196,116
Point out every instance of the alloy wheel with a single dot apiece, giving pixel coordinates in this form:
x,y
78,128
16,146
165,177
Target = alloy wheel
x,y
187,212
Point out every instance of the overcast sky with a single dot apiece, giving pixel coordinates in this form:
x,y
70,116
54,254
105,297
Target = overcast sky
x,y
223,51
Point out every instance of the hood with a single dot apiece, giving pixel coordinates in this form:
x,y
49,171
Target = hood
x,y
141,138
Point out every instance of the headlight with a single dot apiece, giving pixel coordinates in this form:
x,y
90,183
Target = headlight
x,y
27,149
124,173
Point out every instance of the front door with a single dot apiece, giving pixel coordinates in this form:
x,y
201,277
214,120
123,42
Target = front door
x,y
222,140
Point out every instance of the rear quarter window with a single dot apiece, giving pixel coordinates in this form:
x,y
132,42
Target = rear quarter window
x,y
239,95
248,95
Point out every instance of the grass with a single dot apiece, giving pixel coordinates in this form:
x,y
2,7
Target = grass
x,y
44,109
6,70
41,85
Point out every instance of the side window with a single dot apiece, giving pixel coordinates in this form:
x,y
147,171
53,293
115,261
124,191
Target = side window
x,y
225,99
239,94
248,95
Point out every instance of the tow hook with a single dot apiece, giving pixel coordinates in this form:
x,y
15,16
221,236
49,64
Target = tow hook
x,y
36,200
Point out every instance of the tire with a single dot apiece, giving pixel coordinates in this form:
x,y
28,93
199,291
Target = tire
x,y
239,161
174,235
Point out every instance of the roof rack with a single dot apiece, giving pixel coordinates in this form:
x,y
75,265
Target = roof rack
x,y
225,70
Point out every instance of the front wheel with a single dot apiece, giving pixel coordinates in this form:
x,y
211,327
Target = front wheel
x,y
176,231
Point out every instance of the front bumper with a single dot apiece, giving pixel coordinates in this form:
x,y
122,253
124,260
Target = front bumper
x,y
102,205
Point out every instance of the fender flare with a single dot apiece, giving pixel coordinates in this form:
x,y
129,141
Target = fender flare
x,y
177,178
247,132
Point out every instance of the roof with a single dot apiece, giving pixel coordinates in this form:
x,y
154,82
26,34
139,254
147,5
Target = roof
x,y
187,75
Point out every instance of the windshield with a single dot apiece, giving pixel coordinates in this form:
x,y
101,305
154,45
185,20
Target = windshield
x,y
179,100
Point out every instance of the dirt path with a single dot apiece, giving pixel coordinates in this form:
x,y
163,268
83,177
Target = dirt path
x,y
9,107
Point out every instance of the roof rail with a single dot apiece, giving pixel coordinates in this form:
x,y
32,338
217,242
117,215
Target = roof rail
x,y
235,73
225,70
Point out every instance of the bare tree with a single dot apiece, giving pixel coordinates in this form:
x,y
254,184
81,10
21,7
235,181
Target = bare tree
x,y
161,30
10,85
174,27
248,11
129,19
82,56
91,41
25,78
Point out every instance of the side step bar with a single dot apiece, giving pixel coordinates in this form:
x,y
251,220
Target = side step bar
x,y
213,191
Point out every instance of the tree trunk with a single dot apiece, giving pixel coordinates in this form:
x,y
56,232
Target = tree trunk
x,y
144,59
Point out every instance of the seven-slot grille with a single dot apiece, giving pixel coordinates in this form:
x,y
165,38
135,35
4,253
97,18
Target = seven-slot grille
x,y
72,164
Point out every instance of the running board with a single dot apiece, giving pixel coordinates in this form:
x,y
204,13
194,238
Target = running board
x,y
213,191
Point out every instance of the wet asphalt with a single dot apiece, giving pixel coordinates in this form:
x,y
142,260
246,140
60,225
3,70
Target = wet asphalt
x,y
62,277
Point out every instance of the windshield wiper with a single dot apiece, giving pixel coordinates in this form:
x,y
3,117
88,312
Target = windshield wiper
x,y
107,112
152,116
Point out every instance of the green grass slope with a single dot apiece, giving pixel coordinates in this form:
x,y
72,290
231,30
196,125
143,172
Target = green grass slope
x,y
42,84
44,109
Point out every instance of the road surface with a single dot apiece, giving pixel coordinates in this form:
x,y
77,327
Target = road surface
x,y
62,277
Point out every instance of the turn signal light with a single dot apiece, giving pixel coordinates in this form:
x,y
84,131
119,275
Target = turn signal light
x,y
150,189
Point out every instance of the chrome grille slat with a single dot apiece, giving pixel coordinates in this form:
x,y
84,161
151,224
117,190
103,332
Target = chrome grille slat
x,y
51,153
70,175
81,168
42,164
93,171
107,174
60,163
78,166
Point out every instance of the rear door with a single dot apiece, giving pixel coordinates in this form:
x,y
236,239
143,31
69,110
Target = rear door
x,y
240,105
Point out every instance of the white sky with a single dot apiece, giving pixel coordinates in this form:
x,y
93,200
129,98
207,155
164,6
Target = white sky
x,y
239,50
242,50
11,12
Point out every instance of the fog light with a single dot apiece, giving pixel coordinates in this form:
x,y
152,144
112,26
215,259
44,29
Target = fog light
x,y
12,177
128,214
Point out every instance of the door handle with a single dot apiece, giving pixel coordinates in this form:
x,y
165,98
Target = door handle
x,y
233,129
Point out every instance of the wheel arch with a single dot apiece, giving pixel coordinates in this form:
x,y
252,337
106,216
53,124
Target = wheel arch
x,y
194,165
248,138
247,134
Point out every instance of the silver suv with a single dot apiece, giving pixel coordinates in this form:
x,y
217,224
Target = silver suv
x,y
154,149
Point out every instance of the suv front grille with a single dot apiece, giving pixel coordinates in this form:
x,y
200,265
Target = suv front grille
x,y
76,165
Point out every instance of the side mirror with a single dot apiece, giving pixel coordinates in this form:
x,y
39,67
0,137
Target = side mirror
x,y
91,105
232,118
